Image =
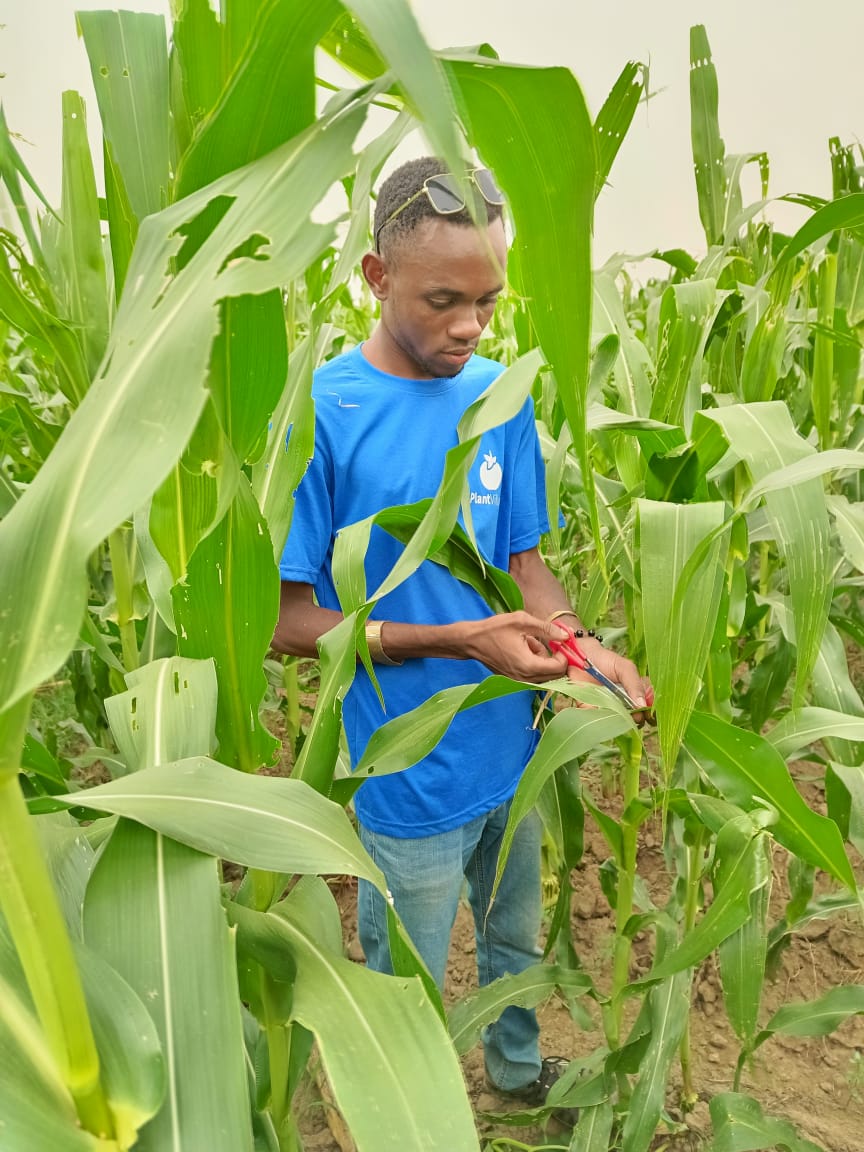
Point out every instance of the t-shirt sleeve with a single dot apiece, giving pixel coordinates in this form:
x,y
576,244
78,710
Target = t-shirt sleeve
x,y
529,519
311,530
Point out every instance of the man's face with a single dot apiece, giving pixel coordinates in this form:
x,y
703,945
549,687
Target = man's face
x,y
438,292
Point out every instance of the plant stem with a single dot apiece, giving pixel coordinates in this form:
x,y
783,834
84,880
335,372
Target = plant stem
x,y
121,570
29,903
691,907
292,701
626,880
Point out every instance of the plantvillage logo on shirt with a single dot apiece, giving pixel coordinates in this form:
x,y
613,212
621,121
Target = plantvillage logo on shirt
x,y
490,478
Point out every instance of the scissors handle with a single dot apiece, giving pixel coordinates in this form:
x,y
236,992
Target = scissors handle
x,y
576,658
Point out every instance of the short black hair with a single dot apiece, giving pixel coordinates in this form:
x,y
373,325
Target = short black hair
x,y
400,186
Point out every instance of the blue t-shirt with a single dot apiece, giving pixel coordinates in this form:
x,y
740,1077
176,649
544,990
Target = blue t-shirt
x,y
380,440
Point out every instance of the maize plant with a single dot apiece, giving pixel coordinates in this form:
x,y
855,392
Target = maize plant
x,y
703,438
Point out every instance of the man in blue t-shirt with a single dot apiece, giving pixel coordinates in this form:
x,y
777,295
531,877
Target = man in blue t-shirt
x,y
386,413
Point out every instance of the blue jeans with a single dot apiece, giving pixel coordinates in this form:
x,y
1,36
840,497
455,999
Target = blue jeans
x,y
424,876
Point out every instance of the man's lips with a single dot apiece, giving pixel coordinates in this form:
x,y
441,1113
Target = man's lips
x,y
458,353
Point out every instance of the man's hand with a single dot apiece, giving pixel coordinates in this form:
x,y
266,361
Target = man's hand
x,y
620,670
514,644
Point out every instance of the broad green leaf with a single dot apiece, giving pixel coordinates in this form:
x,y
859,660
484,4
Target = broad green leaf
x,y
615,117
678,627
685,314
317,760
742,964
669,1008
392,28
527,989
569,734
153,373
634,371
283,98
740,1125
133,1068
169,709
847,212
804,726
594,1129
836,459
750,773
363,1019
851,781
128,54
227,608
84,293
709,150
832,685
506,114
197,47
277,474
816,1017
764,437
849,522
742,869
150,905
266,822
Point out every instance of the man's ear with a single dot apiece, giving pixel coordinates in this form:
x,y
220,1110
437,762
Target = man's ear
x,y
375,274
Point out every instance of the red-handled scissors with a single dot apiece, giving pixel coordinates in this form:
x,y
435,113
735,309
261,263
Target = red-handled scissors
x,y
576,658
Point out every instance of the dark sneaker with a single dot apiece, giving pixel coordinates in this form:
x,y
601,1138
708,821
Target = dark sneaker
x,y
552,1068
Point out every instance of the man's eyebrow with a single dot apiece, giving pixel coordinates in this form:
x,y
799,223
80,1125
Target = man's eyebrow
x,y
442,291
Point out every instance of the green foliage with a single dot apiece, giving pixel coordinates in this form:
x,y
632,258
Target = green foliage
x,y
705,435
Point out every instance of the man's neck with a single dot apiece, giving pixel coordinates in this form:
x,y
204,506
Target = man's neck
x,y
384,353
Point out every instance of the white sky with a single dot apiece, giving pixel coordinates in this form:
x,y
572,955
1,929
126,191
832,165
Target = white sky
x,y
790,75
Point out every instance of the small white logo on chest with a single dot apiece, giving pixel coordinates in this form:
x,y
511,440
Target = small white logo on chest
x,y
490,473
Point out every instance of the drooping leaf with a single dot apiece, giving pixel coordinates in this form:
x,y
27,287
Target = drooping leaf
x,y
678,626
527,989
153,372
151,905
362,1018
750,773
740,1125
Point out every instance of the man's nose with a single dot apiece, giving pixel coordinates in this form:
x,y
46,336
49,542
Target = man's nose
x,y
467,326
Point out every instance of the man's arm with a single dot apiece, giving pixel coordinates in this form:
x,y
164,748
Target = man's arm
x,y
513,644
543,596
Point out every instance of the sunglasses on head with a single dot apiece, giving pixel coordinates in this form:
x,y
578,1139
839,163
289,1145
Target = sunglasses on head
x,y
445,195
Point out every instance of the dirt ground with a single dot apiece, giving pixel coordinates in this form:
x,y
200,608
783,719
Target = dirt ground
x,y
817,1084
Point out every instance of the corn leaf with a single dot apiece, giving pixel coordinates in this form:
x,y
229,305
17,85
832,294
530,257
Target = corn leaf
x,y
750,773
742,959
264,822
847,212
153,372
669,1004
130,1054
805,726
527,989
816,1017
677,625
150,904
849,522
169,709
615,117
84,292
128,53
634,371
283,98
362,1018
709,151
740,1125
569,734
594,1129
763,436
227,608
505,110
317,760
742,869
